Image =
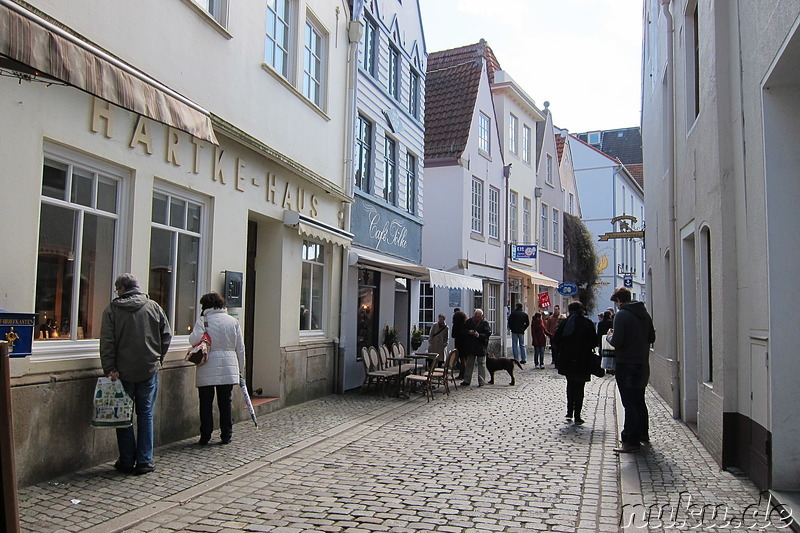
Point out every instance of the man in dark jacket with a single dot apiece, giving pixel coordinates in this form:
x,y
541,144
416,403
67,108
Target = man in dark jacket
x,y
518,322
134,337
575,338
631,337
475,335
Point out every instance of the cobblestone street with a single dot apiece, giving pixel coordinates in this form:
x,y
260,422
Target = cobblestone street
x,y
495,458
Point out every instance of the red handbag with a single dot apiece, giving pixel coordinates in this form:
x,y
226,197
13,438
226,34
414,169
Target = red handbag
x,y
198,354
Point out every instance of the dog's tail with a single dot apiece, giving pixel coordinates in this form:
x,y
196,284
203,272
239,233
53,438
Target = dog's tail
x,y
517,362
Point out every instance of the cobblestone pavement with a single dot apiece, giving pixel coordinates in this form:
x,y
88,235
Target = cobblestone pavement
x,y
495,458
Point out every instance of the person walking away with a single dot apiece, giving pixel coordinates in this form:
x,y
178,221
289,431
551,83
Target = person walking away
x,y
134,338
631,337
550,325
438,337
603,326
518,322
475,336
539,340
576,339
223,369
459,318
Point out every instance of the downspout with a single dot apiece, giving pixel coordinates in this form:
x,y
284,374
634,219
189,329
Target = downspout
x,y
669,119
506,251
354,31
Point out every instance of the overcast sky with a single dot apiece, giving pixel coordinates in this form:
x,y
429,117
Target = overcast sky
x,y
583,56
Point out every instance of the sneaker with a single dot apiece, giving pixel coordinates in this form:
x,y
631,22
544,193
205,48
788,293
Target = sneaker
x,y
579,421
523,362
464,384
124,469
627,448
203,441
144,468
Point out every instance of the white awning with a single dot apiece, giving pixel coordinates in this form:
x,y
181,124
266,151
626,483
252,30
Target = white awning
x,y
538,279
323,232
449,280
392,265
36,46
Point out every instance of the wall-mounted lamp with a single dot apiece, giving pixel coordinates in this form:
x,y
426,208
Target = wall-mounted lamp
x,y
537,192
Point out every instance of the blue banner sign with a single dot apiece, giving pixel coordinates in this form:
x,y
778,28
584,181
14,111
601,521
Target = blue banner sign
x,y
525,251
567,288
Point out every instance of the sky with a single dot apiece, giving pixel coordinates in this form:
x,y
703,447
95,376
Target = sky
x,y
583,56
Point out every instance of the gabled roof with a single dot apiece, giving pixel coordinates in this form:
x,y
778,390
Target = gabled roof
x,y
560,142
451,91
627,168
624,144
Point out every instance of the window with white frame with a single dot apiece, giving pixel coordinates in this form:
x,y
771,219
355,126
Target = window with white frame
x,y
545,228
526,220
363,153
549,169
484,129
276,53
512,215
425,306
313,63
526,144
555,230
369,53
390,170
571,204
312,286
411,183
593,137
176,233
413,94
218,9
513,127
494,212
477,300
79,240
394,73
492,306
477,205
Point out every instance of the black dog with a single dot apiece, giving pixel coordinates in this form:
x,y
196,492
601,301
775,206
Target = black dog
x,y
500,363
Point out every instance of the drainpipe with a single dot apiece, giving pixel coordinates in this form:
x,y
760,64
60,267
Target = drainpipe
x,y
669,120
506,251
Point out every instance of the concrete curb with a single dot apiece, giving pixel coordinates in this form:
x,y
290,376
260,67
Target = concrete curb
x,y
630,485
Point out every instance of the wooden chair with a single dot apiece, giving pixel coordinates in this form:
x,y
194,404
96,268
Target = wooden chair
x,y
444,373
398,352
382,373
371,376
424,380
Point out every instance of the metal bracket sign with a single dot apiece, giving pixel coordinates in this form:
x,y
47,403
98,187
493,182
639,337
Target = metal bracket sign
x,y
626,230
524,251
627,281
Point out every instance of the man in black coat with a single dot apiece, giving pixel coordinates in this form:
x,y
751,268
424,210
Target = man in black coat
x,y
475,335
575,338
631,337
518,322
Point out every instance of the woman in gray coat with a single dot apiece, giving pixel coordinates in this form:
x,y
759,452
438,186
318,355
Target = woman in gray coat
x,y
222,370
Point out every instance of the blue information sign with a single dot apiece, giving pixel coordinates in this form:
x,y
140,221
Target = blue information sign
x,y
567,288
525,251
627,280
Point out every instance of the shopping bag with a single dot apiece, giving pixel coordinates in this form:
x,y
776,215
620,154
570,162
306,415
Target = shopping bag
x,y
113,408
198,354
607,352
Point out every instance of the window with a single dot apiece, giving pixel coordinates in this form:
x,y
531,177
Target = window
x,y
513,125
484,127
477,300
477,205
312,286
394,73
692,38
526,220
593,137
175,239
571,204
390,171
492,303
370,45
312,64
276,53
413,94
545,228
512,214
555,230
526,144
425,306
411,183
363,153
549,169
78,241
218,9
494,212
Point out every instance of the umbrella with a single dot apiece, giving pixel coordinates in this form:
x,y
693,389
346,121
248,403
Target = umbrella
x,y
247,401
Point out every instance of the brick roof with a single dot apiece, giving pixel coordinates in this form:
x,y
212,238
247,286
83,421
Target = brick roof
x,y
637,171
624,144
560,142
451,90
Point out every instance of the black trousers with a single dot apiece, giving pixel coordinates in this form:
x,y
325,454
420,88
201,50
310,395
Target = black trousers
x,y
575,395
224,393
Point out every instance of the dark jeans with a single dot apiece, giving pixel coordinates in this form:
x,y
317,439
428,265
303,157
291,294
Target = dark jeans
x,y
138,448
224,393
575,396
631,382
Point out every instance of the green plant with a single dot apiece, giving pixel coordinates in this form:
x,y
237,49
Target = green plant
x,y
580,260
416,337
389,335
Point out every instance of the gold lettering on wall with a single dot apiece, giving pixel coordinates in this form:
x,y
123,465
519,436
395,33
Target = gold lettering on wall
x,y
219,173
173,145
102,110
142,135
240,177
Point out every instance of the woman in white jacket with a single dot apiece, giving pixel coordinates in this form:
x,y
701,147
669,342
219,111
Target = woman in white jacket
x,y
222,370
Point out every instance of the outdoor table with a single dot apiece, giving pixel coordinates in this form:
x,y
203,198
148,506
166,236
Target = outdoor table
x,y
400,361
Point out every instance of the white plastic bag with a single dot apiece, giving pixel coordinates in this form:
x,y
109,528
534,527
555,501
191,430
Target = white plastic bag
x,y
607,352
113,408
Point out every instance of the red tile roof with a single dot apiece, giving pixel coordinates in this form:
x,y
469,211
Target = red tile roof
x,y
560,142
637,171
451,90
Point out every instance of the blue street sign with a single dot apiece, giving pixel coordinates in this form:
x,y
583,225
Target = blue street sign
x,y
627,280
567,288
525,251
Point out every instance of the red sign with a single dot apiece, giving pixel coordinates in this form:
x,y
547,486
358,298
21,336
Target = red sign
x,y
544,300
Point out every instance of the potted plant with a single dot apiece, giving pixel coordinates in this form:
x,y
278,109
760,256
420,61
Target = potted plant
x,y
416,338
389,336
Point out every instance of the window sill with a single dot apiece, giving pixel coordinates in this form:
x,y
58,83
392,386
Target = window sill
x,y
66,350
286,83
485,154
211,21
312,336
477,237
494,242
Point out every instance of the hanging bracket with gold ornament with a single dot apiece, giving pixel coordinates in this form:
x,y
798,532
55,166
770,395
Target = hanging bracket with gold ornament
x,y
626,229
